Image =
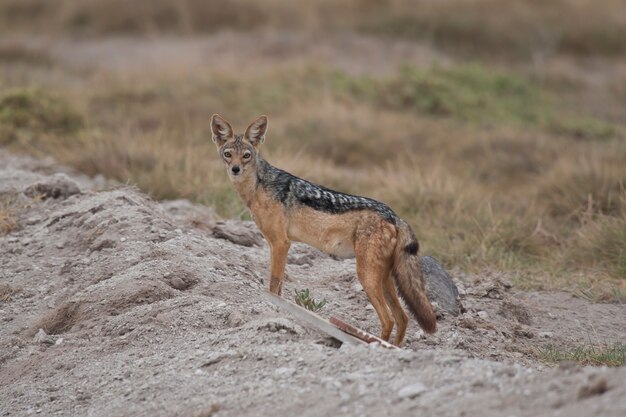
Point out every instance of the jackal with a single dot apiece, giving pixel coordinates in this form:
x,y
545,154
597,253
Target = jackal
x,y
287,208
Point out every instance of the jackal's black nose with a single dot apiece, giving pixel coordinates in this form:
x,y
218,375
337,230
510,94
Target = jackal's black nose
x,y
235,169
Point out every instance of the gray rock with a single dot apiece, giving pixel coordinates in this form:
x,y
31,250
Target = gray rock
x,y
33,220
439,286
240,233
43,338
55,186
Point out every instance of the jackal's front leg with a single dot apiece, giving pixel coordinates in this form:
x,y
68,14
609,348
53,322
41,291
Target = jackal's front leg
x,y
279,251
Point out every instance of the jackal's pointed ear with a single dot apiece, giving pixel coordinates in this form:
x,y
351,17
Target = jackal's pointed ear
x,y
221,129
255,133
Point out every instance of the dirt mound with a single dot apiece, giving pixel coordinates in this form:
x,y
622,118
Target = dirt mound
x,y
115,304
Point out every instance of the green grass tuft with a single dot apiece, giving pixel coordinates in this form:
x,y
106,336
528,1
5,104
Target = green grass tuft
x,y
607,355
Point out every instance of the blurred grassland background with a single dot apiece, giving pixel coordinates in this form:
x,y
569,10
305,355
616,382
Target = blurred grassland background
x,y
496,128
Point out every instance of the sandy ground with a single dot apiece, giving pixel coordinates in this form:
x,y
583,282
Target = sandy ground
x,y
149,311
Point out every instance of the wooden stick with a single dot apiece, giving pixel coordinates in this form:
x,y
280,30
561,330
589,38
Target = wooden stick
x,y
313,319
361,334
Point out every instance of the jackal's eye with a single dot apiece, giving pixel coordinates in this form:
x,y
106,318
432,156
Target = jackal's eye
x,y
247,155
227,154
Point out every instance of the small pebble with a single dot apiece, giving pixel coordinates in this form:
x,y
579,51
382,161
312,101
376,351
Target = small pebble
x,y
412,391
33,220
285,372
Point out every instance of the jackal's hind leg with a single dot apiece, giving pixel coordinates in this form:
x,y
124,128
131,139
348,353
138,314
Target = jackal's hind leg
x,y
373,262
372,284
399,315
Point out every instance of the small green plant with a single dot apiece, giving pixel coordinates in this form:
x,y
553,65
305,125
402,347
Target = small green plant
x,y
605,355
304,299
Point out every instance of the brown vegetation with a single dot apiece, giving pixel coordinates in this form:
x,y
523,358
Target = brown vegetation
x,y
59,320
519,28
8,218
6,292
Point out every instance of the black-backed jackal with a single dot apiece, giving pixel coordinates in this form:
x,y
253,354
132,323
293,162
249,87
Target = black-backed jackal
x,y
287,208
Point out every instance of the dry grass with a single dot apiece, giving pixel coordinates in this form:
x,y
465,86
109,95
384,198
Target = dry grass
x,y
6,292
515,28
521,28
16,53
8,216
600,244
98,17
8,223
589,186
59,320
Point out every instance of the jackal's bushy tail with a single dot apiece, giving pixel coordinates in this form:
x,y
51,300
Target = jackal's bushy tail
x,y
408,277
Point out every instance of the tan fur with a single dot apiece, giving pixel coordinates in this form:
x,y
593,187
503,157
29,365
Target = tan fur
x,y
376,243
